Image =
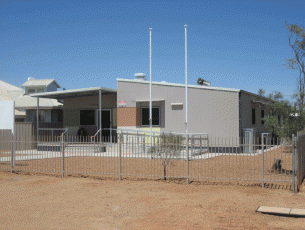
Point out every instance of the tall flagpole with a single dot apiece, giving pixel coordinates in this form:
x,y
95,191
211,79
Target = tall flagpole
x,y
186,125
150,100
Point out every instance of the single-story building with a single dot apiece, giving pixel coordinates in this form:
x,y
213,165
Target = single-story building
x,y
215,111
218,112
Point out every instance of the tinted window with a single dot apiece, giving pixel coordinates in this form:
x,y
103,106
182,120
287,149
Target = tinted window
x,y
253,116
155,116
87,117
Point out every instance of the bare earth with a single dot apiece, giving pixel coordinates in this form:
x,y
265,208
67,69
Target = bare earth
x,y
50,202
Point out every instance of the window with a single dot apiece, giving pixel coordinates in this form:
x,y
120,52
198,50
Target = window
x,y
40,90
262,116
253,116
155,116
87,117
31,91
31,115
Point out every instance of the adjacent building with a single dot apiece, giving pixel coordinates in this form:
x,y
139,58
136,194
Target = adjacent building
x,y
25,105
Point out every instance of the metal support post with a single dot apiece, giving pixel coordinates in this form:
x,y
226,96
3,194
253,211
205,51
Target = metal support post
x,y
263,161
187,159
13,153
37,120
293,163
63,155
100,115
120,156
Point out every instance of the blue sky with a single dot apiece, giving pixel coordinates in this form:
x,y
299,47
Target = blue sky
x,y
232,44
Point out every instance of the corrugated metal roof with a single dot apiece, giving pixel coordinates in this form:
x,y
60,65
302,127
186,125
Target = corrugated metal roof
x,y
178,85
73,93
9,92
40,82
30,102
8,87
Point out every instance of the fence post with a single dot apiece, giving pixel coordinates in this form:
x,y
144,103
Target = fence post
x,y
187,159
63,155
143,145
120,156
13,153
293,163
263,160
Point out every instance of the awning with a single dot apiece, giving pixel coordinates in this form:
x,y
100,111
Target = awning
x,y
74,93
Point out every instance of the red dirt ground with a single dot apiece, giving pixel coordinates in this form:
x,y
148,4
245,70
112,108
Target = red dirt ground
x,y
49,202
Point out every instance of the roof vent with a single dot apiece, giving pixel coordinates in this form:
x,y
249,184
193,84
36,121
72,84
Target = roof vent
x,y
30,79
140,76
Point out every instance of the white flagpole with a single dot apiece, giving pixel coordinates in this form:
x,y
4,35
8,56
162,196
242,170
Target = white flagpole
x,y
186,124
150,100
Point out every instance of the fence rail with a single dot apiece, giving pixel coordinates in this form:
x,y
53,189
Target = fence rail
x,y
190,157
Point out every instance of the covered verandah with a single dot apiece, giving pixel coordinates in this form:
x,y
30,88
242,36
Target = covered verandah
x,y
86,112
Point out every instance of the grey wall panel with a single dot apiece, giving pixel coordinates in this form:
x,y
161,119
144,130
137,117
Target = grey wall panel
x,y
209,111
108,101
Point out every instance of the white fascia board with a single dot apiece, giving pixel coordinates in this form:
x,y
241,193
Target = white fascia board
x,y
179,85
147,100
62,92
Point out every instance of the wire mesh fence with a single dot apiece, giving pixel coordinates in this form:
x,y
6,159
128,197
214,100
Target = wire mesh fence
x,y
166,155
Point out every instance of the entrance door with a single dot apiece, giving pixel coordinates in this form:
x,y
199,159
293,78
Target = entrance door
x,y
106,123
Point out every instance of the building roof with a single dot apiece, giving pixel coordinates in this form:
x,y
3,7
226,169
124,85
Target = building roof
x,y
73,93
9,92
256,95
28,102
39,83
178,85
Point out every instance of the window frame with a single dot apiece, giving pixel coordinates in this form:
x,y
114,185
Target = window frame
x,y
40,90
33,89
94,119
253,116
146,107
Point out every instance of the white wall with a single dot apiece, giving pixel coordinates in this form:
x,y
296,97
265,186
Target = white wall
x,y
7,115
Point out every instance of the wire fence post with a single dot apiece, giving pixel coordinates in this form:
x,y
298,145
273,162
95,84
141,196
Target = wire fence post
x,y
263,161
13,153
63,155
187,159
120,156
293,163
